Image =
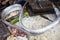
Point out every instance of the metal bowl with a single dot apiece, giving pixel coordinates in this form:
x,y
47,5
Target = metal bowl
x,y
39,31
28,31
